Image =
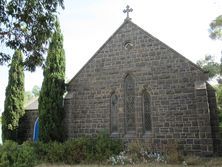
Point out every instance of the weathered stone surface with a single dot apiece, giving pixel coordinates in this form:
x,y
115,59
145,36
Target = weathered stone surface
x,y
26,127
26,124
181,105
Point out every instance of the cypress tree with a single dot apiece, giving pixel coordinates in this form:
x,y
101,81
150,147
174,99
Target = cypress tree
x,y
53,88
14,98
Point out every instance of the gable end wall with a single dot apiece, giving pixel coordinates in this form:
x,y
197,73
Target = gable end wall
x,y
179,111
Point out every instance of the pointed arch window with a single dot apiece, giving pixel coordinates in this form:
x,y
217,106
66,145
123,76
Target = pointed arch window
x,y
129,104
147,125
113,113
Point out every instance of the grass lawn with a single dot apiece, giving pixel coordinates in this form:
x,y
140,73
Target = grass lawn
x,y
142,165
192,161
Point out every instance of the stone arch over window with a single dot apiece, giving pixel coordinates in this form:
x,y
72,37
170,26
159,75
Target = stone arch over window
x,y
113,113
146,105
129,90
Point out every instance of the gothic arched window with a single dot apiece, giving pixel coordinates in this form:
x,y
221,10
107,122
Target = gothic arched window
x,y
129,104
146,112
113,113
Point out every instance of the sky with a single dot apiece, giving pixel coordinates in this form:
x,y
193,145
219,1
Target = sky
x,y
87,24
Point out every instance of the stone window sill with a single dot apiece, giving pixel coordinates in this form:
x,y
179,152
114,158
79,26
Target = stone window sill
x,y
114,135
130,135
147,134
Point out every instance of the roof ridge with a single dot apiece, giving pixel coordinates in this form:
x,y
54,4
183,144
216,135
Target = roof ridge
x,y
125,21
129,21
31,101
169,48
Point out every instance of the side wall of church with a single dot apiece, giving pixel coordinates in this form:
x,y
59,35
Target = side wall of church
x,y
216,133
26,126
178,95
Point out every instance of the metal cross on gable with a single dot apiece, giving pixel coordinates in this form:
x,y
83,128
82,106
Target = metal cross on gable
x,y
127,10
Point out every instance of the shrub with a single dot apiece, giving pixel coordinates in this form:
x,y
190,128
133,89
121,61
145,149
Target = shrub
x,y
5,157
116,146
106,146
121,159
26,156
14,155
193,160
80,150
52,152
55,152
88,150
41,151
173,153
139,151
134,150
75,150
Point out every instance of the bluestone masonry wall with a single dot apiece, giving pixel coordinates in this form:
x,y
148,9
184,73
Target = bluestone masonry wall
x,y
177,88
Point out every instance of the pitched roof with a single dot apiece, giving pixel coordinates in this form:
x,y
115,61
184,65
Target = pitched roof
x,y
98,51
129,21
32,104
196,66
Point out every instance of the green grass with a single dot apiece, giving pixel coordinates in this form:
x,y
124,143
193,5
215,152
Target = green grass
x,y
141,165
192,161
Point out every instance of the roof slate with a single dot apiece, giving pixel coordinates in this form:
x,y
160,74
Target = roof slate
x,y
32,105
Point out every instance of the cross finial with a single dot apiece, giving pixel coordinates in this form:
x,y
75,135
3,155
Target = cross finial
x,y
127,10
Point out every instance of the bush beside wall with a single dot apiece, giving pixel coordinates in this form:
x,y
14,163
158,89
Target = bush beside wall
x,y
81,150
87,150
14,155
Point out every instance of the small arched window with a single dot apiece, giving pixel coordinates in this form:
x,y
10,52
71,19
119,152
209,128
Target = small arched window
x,y
113,113
147,125
129,104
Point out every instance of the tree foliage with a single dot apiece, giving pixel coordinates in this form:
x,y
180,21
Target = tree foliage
x,y
53,88
27,97
219,102
32,94
216,33
216,28
27,25
214,69
35,91
14,98
209,65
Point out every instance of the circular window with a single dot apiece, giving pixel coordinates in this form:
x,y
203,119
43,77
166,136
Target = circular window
x,y
128,45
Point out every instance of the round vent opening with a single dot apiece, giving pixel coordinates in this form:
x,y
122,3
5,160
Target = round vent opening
x,y
128,45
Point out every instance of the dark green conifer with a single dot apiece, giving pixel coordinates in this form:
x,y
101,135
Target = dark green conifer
x,y
53,87
14,98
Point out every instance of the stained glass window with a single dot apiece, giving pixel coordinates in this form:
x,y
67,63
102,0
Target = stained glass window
x,y
113,101
129,104
146,112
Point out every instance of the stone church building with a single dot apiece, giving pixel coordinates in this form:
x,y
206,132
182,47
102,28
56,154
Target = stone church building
x,y
137,87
